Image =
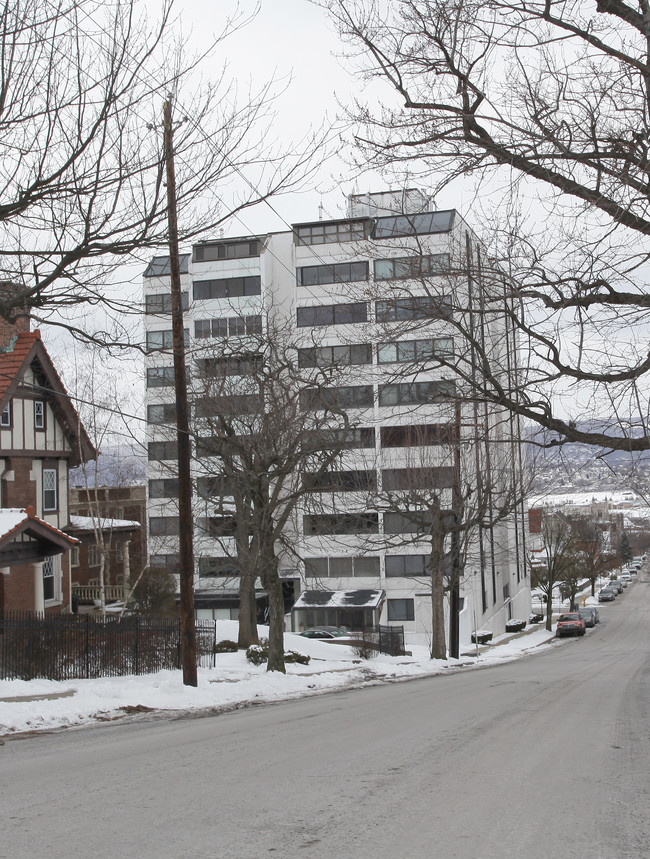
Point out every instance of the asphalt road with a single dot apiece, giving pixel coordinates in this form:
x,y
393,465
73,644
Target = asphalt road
x,y
546,756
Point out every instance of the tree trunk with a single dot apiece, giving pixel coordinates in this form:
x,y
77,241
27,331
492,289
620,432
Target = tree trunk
x,y
438,638
247,611
276,618
549,609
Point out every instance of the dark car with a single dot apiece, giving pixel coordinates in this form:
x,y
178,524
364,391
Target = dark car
x,y
571,623
606,595
588,616
325,632
615,585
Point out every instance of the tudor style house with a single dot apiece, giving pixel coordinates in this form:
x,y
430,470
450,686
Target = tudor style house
x,y
41,438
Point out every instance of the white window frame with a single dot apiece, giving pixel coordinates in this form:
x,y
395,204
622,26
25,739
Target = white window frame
x,y
52,491
39,414
49,569
5,416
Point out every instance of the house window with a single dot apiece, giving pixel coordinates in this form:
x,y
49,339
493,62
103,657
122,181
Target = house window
x,y
343,272
401,610
411,267
49,579
49,489
332,314
5,416
39,415
74,556
94,555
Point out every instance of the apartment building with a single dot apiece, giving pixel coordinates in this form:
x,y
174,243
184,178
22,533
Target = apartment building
x,y
395,297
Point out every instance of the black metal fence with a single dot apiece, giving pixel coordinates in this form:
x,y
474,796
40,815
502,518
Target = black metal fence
x,y
69,647
386,639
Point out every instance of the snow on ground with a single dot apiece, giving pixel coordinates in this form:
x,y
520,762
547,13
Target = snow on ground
x,y
47,704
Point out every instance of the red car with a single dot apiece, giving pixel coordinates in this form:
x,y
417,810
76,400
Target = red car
x,y
570,624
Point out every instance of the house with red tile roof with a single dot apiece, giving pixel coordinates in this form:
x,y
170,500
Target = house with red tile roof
x,y
41,439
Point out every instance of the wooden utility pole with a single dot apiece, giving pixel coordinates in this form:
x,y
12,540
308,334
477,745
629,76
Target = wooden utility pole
x,y
186,530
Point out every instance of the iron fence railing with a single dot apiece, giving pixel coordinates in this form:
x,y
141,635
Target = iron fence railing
x,y
69,647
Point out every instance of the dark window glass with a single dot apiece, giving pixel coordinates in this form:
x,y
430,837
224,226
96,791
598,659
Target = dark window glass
x,y
160,377
413,225
401,610
5,417
341,481
347,439
227,287
169,562
50,486
215,486
226,250
332,314
160,266
417,307
346,397
415,350
341,523
163,526
401,523
222,567
416,393
398,268
160,450
330,356
162,303
49,580
161,413
406,565
164,487
243,364
222,526
418,435
345,272
326,233
418,479
235,404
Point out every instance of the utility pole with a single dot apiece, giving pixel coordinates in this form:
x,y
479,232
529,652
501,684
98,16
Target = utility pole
x,y
186,530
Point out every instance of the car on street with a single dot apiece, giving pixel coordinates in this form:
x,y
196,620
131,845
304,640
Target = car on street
x,y
625,578
325,632
606,595
589,617
615,585
571,623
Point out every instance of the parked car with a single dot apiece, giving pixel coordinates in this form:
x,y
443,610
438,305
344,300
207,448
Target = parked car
x,y
615,585
588,615
625,577
571,623
326,632
606,595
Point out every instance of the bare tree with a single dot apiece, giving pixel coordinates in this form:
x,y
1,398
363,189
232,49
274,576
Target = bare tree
x,y
269,430
525,99
556,561
82,84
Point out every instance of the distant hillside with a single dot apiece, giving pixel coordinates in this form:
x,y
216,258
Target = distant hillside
x,y
116,466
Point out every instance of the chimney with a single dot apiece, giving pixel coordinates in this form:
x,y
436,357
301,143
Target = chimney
x,y
9,330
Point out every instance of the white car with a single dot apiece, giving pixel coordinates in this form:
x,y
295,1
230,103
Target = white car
x,y
625,577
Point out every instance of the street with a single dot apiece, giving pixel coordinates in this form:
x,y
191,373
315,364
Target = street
x,y
548,755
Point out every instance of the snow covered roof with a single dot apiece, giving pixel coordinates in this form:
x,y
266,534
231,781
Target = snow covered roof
x,y
585,498
16,520
340,599
87,523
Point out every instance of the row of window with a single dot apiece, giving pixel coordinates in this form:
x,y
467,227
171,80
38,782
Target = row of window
x,y
401,351
362,396
359,438
440,477
162,303
232,326
424,307
6,416
227,287
209,252
396,268
322,524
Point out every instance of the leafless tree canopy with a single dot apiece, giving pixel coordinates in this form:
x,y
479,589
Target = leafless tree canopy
x,y
82,85
546,105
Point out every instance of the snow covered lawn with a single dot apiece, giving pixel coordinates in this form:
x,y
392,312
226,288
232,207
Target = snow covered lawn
x,y
49,704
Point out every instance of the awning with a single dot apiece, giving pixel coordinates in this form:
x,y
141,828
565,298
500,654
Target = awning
x,y
340,599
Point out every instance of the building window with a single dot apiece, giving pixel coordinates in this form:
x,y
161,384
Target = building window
x,y
244,364
333,356
343,567
236,404
416,393
160,377
343,272
161,413
222,526
162,303
227,287
50,501
402,523
341,481
161,266
158,341
94,555
401,610
39,414
161,450
226,250
168,562
415,350
332,314
215,486
327,233
406,565
164,487
341,523
419,435
400,268
421,224
49,579
5,416
164,526
218,567
74,556
345,439
232,326
418,479
345,397
414,308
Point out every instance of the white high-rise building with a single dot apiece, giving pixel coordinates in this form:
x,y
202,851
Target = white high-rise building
x,y
395,295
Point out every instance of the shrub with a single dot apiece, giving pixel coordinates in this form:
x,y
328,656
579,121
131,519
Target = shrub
x,y
293,656
515,625
226,646
481,636
536,618
257,654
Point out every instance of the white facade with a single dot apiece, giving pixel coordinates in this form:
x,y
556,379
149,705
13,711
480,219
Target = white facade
x,y
353,283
